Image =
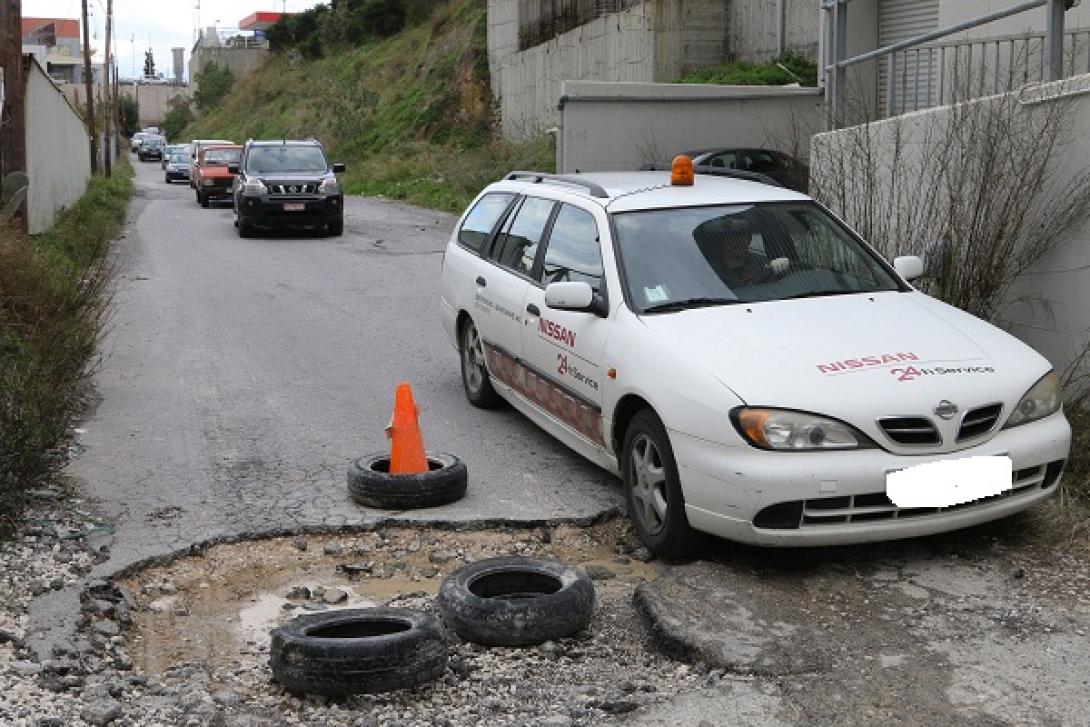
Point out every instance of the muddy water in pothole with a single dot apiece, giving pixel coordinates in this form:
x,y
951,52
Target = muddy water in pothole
x,y
222,604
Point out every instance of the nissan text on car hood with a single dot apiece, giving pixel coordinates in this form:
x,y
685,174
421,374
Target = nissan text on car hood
x,y
864,354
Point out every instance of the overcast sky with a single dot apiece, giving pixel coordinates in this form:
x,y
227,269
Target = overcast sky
x,y
158,24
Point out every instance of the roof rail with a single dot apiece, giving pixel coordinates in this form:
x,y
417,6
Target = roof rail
x,y
717,172
538,177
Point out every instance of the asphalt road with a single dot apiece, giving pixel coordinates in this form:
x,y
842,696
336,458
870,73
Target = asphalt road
x,y
240,377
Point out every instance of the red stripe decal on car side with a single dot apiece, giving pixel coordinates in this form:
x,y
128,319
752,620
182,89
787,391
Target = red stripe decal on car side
x,y
579,415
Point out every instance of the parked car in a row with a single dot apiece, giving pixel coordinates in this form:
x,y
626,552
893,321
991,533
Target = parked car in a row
x,y
176,166
170,149
151,148
287,183
212,178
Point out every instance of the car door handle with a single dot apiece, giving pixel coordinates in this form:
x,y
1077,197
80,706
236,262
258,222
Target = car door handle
x,y
533,310
481,281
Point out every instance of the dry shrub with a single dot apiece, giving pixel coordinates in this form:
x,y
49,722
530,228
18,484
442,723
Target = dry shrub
x,y
53,298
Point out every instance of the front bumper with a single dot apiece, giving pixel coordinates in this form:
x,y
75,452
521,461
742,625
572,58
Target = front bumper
x,y
266,211
837,496
219,188
178,173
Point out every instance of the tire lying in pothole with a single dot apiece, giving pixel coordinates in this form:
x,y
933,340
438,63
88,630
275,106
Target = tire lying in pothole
x,y
370,483
516,601
358,651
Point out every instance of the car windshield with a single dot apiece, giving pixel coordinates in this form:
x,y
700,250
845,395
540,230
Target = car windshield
x,y
179,157
221,157
702,256
265,159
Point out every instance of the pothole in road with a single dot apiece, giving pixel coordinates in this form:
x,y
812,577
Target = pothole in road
x,y
219,607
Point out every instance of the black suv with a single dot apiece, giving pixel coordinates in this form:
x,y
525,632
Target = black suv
x,y
286,183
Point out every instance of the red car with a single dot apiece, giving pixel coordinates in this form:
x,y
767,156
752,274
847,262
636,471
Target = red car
x,y
212,178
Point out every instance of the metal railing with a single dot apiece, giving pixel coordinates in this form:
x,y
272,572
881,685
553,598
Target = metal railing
x,y
922,69
942,73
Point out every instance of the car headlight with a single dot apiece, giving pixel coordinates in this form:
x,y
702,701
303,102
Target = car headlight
x,y
329,186
254,187
207,182
1042,399
783,429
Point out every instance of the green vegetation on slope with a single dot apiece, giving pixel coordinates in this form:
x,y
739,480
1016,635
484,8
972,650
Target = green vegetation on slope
x,y
788,68
411,115
52,300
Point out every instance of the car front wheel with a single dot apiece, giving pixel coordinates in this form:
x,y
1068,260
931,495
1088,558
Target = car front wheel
x,y
475,377
655,503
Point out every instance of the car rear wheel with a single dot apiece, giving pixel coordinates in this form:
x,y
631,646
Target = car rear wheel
x,y
475,377
655,502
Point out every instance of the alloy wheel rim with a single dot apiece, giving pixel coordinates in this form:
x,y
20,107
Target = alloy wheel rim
x,y
648,485
473,358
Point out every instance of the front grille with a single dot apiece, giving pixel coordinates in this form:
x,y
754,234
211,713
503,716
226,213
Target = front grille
x,y
911,431
848,509
980,421
308,188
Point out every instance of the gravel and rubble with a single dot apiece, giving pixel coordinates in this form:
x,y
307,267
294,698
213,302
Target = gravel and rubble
x,y
186,642
981,627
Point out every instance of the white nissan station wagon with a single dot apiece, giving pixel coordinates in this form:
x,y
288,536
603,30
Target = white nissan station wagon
x,y
744,361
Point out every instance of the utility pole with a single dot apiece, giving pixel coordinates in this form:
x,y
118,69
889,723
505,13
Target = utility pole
x,y
89,87
13,113
107,139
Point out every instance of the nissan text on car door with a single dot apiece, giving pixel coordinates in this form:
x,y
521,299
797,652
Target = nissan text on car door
x,y
744,361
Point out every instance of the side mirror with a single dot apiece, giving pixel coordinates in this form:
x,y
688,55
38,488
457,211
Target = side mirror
x,y
232,168
338,167
569,296
908,267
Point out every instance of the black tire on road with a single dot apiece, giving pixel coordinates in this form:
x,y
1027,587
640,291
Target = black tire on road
x,y
245,229
336,229
203,199
358,651
370,483
516,601
475,378
655,501
166,178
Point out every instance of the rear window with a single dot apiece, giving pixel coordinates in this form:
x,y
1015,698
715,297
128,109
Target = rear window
x,y
221,156
482,219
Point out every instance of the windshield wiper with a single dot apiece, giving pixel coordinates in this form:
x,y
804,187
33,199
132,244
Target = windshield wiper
x,y
823,293
687,303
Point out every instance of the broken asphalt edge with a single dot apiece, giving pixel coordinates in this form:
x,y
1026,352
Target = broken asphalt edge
x,y
369,526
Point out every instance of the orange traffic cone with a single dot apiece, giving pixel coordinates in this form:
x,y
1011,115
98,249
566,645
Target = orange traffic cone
x,y
406,444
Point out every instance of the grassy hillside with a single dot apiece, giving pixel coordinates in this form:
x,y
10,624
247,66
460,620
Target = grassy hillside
x,y
410,115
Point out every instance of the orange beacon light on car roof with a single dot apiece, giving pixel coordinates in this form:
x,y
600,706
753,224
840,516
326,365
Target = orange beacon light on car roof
x,y
681,171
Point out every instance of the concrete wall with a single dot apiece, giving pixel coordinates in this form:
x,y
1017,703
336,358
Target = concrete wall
x,y
58,161
654,41
240,60
887,180
618,47
153,99
754,28
618,126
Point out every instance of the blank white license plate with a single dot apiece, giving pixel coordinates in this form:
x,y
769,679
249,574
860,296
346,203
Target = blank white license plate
x,y
294,206
949,482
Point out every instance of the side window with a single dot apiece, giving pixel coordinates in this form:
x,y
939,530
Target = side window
x,y
726,159
517,248
573,253
762,161
481,219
